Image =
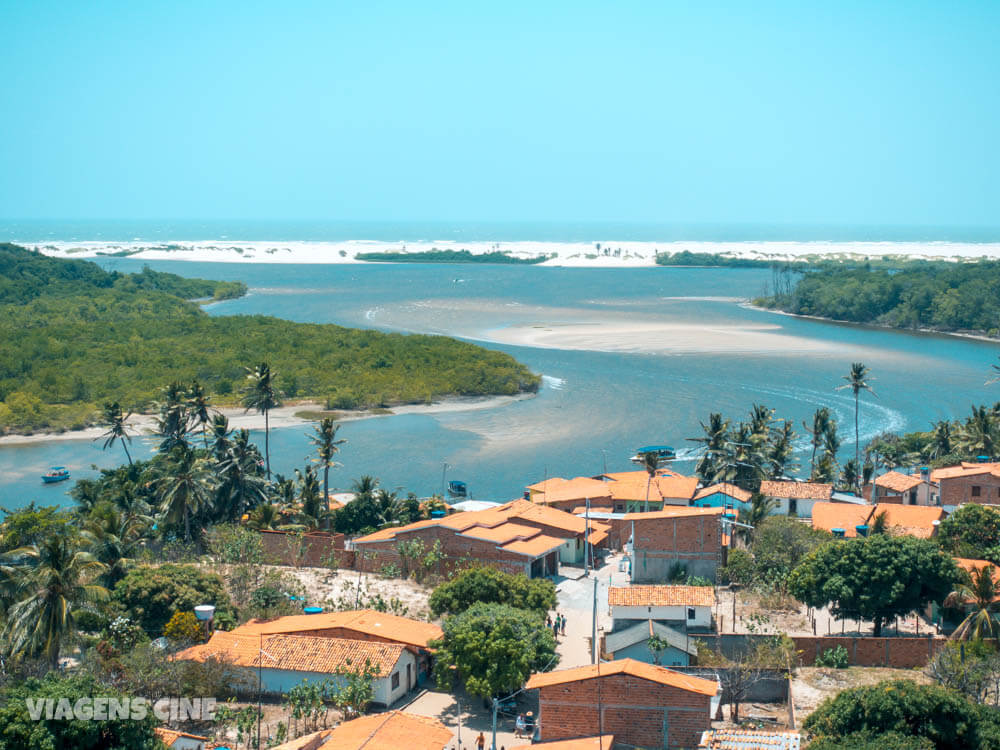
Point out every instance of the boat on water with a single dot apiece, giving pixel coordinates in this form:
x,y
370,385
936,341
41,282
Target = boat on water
x,y
662,453
457,489
55,474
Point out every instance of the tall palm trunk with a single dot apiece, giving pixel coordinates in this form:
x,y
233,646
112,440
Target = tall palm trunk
x,y
267,444
187,525
127,453
857,439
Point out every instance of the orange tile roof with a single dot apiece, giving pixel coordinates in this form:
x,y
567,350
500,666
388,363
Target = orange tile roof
x,y
797,490
299,653
673,512
312,741
170,736
965,469
505,532
631,485
603,742
726,489
898,482
915,520
558,490
391,730
749,739
661,596
537,546
368,621
630,667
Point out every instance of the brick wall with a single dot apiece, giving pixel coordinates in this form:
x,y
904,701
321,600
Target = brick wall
x,y
311,550
636,711
660,543
959,490
901,653
458,551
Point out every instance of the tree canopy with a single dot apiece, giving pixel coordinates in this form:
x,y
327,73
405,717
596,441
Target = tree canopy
x,y
492,649
904,708
971,531
874,578
493,586
150,596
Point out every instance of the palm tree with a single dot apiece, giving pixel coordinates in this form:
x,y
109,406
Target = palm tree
x,y
850,475
651,463
312,509
857,382
242,486
261,395
781,453
979,589
760,508
59,582
327,446
199,408
114,538
879,524
820,425
996,375
184,488
174,421
265,516
942,441
714,445
220,436
115,421
978,436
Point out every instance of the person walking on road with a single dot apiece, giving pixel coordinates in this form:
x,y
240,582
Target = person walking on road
x,y
481,741
562,624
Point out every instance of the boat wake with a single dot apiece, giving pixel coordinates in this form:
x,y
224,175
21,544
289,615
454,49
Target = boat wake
x,y
554,383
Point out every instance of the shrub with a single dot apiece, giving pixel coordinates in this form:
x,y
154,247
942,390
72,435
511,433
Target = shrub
x,y
184,628
490,585
150,596
833,658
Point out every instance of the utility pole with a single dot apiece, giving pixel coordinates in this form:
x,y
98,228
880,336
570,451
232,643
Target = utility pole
x,y
459,704
605,453
593,627
496,703
586,542
444,470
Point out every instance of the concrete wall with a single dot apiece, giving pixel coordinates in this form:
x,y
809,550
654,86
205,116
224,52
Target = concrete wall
x,y
904,652
783,506
693,541
772,687
679,614
640,713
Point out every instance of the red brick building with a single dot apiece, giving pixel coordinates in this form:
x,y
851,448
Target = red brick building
x,y
691,537
969,483
518,537
642,705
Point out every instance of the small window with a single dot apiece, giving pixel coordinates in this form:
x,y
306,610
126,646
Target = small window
x,y
691,613
395,680
976,490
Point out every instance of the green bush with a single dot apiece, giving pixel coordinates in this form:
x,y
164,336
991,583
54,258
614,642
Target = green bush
x,y
489,585
150,596
833,658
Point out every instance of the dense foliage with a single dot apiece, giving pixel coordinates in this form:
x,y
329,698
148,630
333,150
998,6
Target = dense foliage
x,y
99,337
941,296
19,731
778,544
905,708
874,578
971,531
492,649
688,258
150,596
492,585
449,256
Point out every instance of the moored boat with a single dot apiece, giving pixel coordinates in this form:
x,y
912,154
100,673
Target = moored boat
x,y
662,453
55,474
457,489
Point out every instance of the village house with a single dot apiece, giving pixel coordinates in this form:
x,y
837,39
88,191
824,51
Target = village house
x,y
666,541
602,742
280,662
392,730
723,495
682,607
968,483
905,489
795,498
616,492
359,625
846,520
569,494
517,537
180,740
634,642
642,705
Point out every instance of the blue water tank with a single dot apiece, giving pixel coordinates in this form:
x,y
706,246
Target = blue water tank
x,y
313,610
838,533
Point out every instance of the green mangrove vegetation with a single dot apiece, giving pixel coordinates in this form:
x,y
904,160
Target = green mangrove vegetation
x,y
450,256
73,336
941,296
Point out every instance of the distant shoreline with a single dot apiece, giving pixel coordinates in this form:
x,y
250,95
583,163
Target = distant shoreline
x,y
143,425
611,254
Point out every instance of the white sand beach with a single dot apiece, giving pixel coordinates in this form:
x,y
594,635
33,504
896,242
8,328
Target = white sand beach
x,y
284,416
610,254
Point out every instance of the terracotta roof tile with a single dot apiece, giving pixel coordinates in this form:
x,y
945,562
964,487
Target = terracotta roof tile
x,y
393,730
630,667
367,621
965,469
915,520
300,653
797,490
897,482
537,546
502,533
661,596
604,742
749,739
558,490
726,489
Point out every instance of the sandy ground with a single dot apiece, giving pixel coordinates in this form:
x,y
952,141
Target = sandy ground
x,y
637,336
284,416
578,254
812,685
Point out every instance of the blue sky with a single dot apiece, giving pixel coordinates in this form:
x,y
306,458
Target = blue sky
x,y
761,112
